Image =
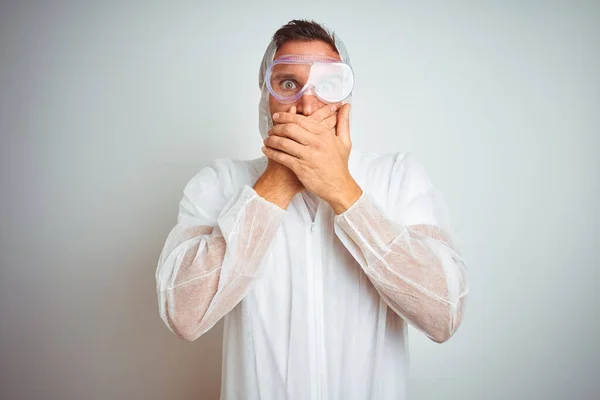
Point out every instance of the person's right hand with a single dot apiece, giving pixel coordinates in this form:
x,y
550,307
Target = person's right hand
x,y
285,176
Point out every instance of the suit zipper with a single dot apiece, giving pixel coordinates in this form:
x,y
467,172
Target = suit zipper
x,y
316,265
313,352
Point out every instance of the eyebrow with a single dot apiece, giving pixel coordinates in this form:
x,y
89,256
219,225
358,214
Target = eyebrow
x,y
281,75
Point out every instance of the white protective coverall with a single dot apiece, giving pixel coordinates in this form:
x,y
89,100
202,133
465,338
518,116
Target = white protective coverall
x,y
315,304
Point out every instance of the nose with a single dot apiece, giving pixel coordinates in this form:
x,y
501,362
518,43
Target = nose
x,y
308,103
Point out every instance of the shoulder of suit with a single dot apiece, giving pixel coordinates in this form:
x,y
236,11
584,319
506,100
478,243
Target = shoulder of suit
x,y
363,162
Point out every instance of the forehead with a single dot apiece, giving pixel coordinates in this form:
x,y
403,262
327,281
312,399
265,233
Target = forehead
x,y
303,47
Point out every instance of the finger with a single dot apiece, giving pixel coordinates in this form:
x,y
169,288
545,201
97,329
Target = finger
x,y
286,145
343,125
306,123
292,110
326,111
292,131
282,158
330,122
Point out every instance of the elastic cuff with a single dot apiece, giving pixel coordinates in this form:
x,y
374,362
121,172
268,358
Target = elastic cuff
x,y
350,210
249,190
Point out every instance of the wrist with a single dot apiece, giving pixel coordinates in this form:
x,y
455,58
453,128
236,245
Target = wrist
x,y
274,190
346,197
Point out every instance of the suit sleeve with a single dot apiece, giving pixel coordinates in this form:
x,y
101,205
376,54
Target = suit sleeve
x,y
406,250
213,256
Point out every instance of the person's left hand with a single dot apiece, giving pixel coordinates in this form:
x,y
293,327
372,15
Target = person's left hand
x,y
318,157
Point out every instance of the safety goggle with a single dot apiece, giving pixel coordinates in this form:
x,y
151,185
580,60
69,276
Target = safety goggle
x,y
291,76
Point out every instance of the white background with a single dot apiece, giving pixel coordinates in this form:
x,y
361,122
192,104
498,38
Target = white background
x,y
107,110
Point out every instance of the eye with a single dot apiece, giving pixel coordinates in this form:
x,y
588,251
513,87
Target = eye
x,y
329,85
288,84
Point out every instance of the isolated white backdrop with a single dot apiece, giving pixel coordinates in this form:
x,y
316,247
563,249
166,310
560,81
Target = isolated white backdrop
x,y
108,109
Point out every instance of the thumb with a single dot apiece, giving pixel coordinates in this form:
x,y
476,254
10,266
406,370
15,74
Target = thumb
x,y
342,129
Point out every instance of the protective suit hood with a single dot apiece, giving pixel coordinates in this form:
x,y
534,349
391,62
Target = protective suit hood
x,y
264,115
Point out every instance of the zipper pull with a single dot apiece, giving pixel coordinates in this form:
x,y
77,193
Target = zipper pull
x,y
312,226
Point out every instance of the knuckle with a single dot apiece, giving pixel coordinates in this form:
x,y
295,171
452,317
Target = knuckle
x,y
279,142
283,144
272,141
300,169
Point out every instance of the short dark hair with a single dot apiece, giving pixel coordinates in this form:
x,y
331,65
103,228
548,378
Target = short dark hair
x,y
303,30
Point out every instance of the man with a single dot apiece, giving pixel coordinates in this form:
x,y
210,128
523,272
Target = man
x,y
317,256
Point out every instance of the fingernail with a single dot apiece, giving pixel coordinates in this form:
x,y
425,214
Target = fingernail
x,y
276,115
333,107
